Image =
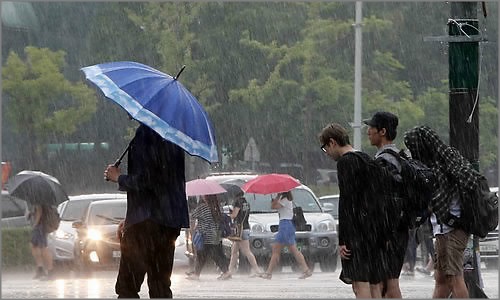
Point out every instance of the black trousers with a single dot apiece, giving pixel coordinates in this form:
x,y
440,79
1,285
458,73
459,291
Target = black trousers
x,y
146,248
216,253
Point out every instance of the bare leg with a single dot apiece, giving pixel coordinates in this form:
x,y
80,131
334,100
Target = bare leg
x,y
37,255
376,290
393,289
47,259
361,289
441,287
299,258
245,248
459,289
235,253
275,257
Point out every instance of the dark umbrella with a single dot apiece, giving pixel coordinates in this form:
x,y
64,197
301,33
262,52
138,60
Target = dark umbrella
x,y
233,187
37,188
158,101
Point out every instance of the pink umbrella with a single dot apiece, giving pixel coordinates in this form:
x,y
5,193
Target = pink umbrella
x,y
200,187
270,183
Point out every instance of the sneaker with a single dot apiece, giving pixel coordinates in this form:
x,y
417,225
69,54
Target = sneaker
x,y
306,274
423,270
39,273
193,277
266,275
225,276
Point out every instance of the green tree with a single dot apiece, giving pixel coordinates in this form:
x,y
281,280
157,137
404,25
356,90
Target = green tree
x,y
42,104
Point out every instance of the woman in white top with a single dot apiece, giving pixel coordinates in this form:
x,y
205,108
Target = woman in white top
x,y
285,236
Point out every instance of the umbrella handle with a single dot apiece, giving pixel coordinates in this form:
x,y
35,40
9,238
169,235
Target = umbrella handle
x,y
119,160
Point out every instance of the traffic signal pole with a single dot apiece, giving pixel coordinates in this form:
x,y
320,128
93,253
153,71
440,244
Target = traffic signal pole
x,y
463,59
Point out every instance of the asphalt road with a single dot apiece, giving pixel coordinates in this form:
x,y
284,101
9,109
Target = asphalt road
x,y
285,285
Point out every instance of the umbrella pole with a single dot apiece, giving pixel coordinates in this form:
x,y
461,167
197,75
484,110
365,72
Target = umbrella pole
x,y
180,71
119,160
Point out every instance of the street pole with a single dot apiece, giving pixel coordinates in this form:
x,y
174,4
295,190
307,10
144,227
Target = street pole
x,y
464,109
357,75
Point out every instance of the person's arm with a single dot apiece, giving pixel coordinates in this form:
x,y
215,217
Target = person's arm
x,y
275,203
235,212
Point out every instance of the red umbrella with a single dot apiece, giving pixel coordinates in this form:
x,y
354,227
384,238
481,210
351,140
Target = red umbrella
x,y
200,187
270,183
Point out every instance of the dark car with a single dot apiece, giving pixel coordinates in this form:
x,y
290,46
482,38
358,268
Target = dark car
x,y
96,243
14,211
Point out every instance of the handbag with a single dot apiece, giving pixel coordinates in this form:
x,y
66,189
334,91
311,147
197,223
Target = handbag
x,y
198,240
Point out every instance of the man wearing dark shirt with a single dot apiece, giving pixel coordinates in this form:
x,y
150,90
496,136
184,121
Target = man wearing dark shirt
x,y
156,211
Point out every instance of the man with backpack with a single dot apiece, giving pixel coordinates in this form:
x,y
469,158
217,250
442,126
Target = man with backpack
x,y
455,177
39,250
382,130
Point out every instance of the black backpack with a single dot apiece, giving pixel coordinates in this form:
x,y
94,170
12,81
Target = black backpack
x,y
298,219
479,210
225,225
50,219
418,186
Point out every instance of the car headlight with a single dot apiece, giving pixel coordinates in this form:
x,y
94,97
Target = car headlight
x,y
326,225
95,235
256,227
61,234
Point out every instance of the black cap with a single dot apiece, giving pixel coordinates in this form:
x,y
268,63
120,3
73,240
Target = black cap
x,y
383,119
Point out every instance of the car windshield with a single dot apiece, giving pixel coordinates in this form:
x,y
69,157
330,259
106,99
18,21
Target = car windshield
x,y
331,203
74,210
301,197
107,213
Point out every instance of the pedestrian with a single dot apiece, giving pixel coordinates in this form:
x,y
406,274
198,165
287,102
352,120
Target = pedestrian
x,y
453,172
156,212
240,213
382,131
361,238
424,236
285,237
39,249
208,216
410,257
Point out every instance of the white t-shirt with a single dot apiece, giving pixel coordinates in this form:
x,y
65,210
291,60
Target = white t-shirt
x,y
454,210
286,211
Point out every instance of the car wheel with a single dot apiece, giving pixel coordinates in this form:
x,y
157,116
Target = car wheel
x,y
328,263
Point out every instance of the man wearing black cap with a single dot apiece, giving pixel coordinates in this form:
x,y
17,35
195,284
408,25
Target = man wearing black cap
x,y
382,130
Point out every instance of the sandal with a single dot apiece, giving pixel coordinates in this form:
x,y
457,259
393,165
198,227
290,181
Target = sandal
x,y
306,274
266,275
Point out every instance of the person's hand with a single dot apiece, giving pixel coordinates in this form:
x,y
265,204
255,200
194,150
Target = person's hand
x,y
344,252
112,173
119,231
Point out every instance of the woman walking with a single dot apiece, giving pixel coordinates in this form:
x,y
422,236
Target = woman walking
x,y
208,215
241,209
285,236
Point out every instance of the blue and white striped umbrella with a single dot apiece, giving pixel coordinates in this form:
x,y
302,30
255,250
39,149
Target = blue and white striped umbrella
x,y
160,102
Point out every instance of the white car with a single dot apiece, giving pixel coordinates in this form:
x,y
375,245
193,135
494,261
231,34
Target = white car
x,y
61,242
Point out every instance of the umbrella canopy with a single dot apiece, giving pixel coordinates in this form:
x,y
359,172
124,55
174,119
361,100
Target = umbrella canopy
x,y
233,187
200,187
270,183
37,188
160,102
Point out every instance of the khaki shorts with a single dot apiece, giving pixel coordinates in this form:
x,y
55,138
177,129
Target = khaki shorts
x,y
450,252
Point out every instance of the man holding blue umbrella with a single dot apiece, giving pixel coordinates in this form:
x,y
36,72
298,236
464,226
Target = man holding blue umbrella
x,y
156,211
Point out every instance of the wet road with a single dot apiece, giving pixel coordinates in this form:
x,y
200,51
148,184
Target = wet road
x,y
283,285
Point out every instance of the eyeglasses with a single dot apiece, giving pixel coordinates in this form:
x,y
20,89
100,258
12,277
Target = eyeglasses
x,y
323,147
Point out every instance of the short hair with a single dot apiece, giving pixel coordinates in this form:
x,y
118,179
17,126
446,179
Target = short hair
x,y
334,131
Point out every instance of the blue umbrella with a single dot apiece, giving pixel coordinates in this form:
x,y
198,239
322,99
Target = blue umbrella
x,y
160,102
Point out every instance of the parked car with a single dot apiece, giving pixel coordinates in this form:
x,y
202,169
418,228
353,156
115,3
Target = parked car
x,y
14,211
62,241
319,243
331,205
96,243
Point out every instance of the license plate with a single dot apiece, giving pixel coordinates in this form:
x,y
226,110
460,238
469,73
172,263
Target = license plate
x,y
117,254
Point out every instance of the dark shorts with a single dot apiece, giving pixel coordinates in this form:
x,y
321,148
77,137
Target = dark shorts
x,y
450,252
39,237
396,253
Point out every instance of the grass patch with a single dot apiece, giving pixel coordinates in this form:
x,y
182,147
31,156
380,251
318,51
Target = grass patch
x,y
16,248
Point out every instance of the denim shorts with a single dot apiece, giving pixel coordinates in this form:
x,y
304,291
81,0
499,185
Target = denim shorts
x,y
245,235
286,233
38,237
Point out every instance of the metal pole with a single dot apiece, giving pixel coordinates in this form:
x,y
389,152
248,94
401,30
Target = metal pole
x,y
464,111
357,75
